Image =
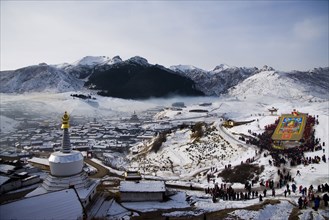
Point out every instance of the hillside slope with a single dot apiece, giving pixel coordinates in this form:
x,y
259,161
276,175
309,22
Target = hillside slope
x,y
38,78
136,78
216,81
295,85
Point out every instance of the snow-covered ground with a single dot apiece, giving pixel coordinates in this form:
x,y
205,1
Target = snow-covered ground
x,y
280,211
7,124
184,157
183,160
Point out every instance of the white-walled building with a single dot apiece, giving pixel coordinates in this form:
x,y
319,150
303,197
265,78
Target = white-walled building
x,y
140,191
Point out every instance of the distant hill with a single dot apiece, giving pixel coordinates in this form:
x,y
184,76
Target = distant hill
x,y
135,78
294,85
218,80
38,78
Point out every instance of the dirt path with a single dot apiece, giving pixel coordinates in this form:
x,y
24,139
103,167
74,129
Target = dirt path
x,y
101,171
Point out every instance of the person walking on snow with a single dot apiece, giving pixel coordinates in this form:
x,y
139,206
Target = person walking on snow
x,y
317,203
300,202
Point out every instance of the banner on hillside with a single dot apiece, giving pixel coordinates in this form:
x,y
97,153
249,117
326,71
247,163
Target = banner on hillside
x,y
290,128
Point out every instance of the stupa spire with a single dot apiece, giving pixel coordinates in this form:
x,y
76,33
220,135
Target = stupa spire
x,y
66,144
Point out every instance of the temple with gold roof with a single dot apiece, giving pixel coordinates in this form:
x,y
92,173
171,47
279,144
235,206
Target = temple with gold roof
x,y
66,170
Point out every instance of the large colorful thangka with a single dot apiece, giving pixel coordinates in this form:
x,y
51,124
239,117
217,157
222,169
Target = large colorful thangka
x,y
290,128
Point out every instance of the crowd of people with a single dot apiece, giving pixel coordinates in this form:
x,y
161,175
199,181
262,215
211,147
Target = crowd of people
x,y
225,192
309,196
294,155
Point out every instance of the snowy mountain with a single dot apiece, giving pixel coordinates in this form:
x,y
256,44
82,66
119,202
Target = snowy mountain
x,y
316,80
83,68
253,82
38,78
137,78
117,62
294,85
92,61
216,81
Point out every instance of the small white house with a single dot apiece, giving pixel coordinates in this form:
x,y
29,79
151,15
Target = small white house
x,y
140,191
133,176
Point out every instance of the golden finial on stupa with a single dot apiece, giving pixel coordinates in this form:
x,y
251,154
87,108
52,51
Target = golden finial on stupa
x,y
65,121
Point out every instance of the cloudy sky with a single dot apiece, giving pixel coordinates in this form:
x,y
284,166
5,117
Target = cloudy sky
x,y
287,35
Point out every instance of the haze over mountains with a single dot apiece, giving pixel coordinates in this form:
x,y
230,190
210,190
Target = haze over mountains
x,y
135,78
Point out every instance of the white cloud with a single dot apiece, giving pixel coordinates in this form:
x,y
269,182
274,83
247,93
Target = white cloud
x,y
311,28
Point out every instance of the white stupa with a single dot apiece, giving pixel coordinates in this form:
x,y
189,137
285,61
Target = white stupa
x,y
66,162
134,118
66,170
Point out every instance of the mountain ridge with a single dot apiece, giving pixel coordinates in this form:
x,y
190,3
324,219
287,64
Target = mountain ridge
x,y
223,79
38,78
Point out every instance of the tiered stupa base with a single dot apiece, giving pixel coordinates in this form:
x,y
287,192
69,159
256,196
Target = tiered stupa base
x,y
85,187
